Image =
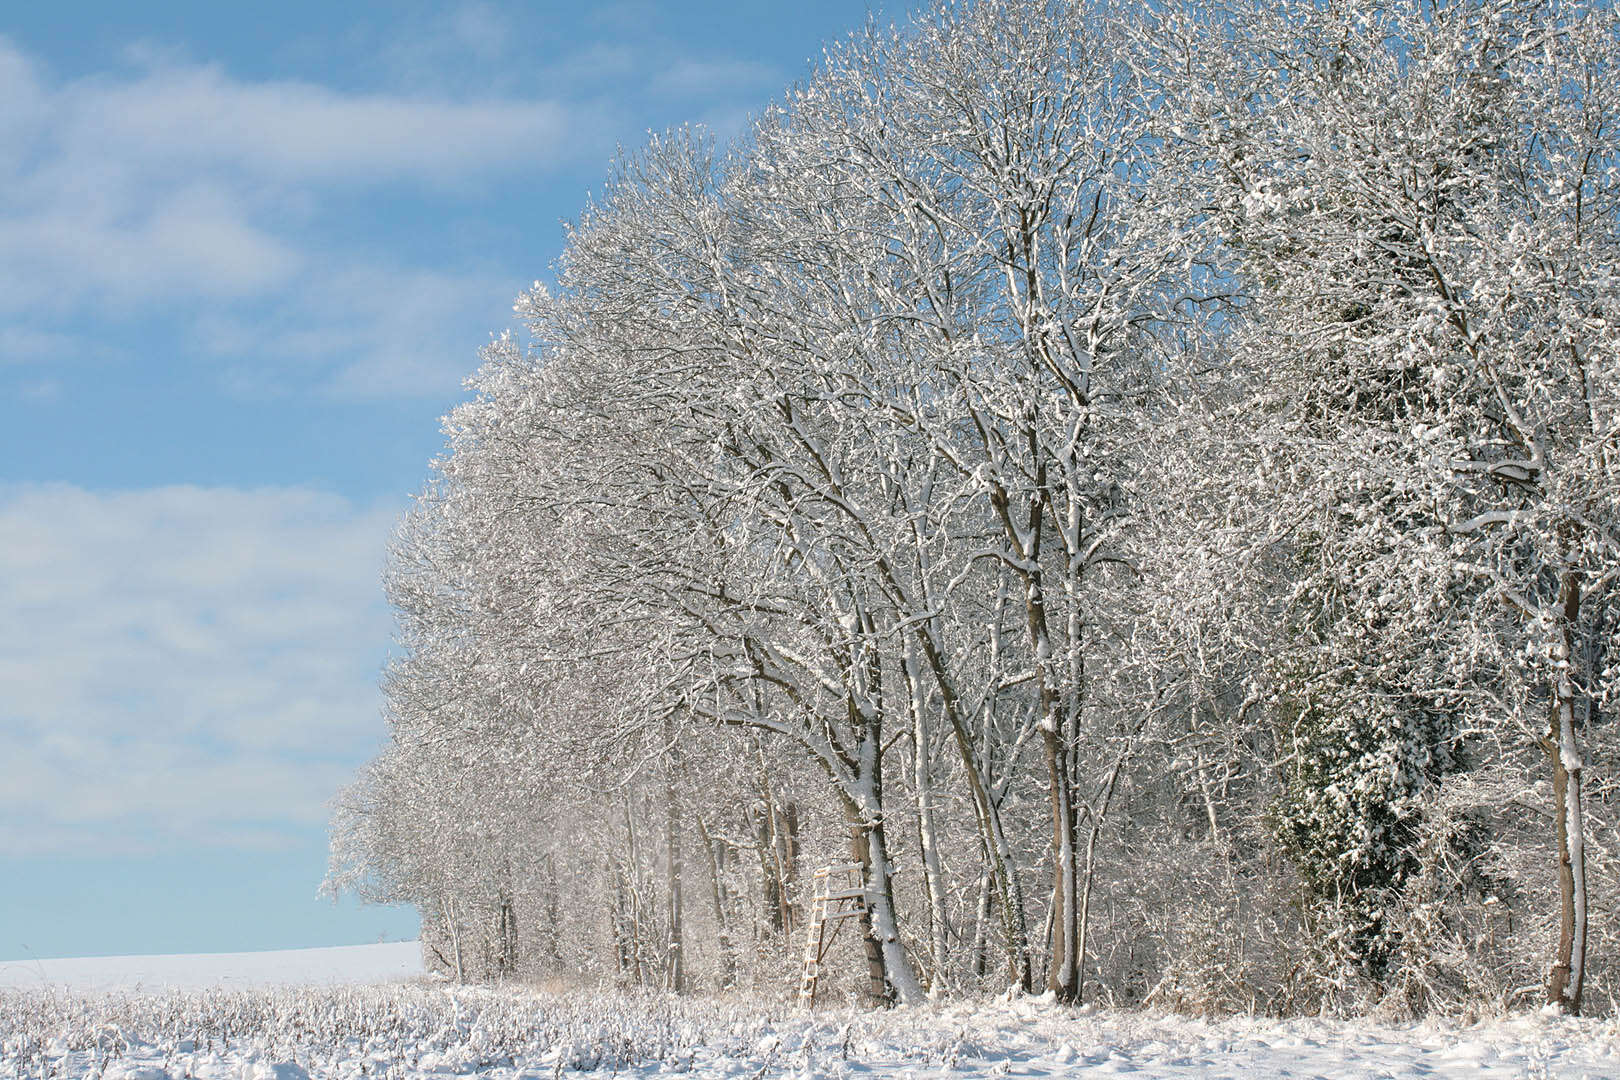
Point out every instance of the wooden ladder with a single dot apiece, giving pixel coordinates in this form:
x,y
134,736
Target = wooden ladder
x,y
840,894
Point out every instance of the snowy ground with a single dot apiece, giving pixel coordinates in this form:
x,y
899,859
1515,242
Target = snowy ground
x,y
419,1029
286,967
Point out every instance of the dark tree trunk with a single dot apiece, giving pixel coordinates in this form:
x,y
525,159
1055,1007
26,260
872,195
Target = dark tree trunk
x,y
675,967
890,976
553,928
726,977
1063,966
1568,975
787,860
506,937
1063,971
1003,871
770,881
623,951
879,992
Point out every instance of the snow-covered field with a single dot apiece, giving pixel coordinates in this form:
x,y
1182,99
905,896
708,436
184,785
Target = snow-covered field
x,y
386,962
418,1029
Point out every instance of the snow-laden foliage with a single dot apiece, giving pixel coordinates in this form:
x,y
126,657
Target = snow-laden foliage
x,y
1141,481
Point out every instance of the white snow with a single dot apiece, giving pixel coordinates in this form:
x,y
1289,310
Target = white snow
x,y
415,1030
332,966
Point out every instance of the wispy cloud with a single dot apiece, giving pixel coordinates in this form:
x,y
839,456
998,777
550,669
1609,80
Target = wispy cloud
x,y
166,118
455,48
172,119
183,665
198,242
175,190
716,78
359,331
284,233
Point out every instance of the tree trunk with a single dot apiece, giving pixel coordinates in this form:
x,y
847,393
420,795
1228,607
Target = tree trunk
x,y
726,978
455,938
1062,970
1096,815
506,937
933,875
638,952
787,862
778,837
980,959
1568,976
553,932
987,814
890,977
675,965
770,880
621,919
1062,974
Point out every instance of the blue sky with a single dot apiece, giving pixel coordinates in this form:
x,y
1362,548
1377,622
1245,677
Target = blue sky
x,y
247,256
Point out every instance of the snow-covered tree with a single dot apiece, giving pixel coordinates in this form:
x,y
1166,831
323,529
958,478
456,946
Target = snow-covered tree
x,y
1421,201
1198,423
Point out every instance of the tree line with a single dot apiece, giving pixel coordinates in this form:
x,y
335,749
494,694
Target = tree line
x,y
1141,480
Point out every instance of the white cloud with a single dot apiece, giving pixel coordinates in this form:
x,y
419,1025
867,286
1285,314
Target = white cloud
x,y
290,132
183,665
195,241
253,225
364,332
470,45
170,118
19,344
176,189
711,78
596,65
